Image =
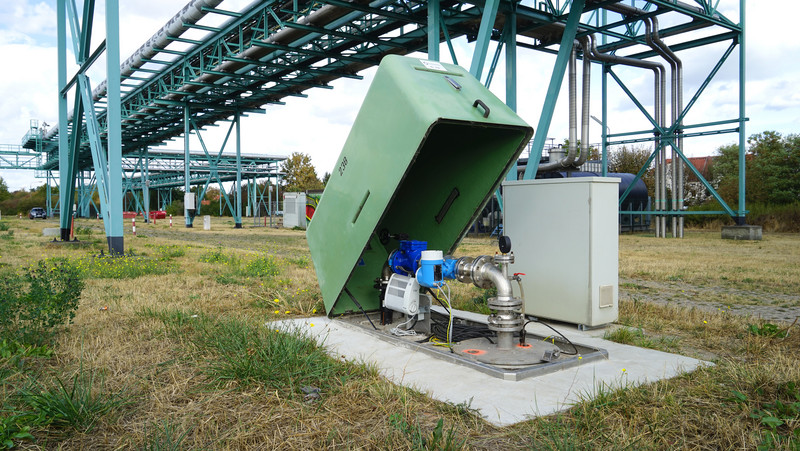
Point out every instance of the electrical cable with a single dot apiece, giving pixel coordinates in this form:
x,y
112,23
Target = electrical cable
x,y
459,332
408,331
522,333
438,300
360,307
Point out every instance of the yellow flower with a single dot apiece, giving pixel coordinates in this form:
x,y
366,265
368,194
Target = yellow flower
x,y
287,312
311,324
277,312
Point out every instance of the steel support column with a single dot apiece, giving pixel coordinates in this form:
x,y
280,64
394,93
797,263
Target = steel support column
x,y
740,215
186,163
114,229
434,23
484,37
237,215
66,176
511,74
564,50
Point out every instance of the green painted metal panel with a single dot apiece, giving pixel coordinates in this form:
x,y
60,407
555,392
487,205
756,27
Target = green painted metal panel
x,y
422,159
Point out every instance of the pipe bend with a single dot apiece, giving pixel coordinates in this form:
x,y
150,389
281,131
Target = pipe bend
x,y
488,271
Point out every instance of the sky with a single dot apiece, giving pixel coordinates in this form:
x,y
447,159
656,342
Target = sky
x,y
319,125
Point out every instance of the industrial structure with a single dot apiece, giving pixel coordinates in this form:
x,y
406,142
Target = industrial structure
x,y
174,85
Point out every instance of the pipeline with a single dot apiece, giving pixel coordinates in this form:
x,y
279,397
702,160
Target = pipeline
x,y
573,119
587,78
676,97
175,27
677,108
659,73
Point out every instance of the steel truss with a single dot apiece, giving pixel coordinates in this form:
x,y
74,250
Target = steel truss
x,y
273,50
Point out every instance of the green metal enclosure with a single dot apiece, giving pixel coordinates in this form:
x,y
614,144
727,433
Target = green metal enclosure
x,y
427,149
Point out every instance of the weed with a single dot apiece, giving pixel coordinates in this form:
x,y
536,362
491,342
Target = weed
x,y
36,304
168,252
217,255
437,439
125,267
12,431
265,266
79,406
767,330
4,226
8,236
87,231
165,437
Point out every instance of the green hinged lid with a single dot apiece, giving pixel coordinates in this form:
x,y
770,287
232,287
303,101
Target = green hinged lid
x,y
427,150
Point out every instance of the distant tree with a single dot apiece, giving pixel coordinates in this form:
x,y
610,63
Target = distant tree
x,y
772,165
631,160
4,194
325,178
300,173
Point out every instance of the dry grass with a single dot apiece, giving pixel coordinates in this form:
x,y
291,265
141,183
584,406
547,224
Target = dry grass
x,y
146,344
702,258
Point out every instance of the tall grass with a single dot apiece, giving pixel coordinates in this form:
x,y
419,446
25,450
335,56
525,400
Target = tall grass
x,y
79,403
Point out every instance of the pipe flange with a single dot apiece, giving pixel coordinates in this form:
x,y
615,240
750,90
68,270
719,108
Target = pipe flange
x,y
500,324
476,271
504,258
463,272
504,304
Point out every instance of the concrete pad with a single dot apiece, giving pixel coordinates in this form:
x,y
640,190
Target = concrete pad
x,y
499,402
743,232
51,231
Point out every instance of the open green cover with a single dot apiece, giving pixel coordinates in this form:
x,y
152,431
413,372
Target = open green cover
x,y
427,150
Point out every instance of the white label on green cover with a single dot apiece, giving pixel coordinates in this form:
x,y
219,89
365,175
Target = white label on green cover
x,y
433,65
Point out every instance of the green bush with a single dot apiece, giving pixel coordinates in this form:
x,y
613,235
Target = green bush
x,y
35,304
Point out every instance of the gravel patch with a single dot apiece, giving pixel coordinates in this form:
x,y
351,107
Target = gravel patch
x,y
765,306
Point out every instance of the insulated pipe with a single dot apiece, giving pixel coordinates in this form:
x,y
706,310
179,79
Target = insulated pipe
x,y
286,36
573,119
649,32
659,107
587,78
189,15
677,164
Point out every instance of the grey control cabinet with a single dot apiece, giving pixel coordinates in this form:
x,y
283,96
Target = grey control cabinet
x,y
564,234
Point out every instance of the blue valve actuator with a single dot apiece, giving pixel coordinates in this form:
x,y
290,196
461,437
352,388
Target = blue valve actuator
x,y
429,267
405,260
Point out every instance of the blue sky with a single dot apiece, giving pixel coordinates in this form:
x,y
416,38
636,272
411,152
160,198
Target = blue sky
x,y
319,124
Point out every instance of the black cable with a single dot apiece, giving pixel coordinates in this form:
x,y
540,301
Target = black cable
x,y
551,328
359,306
438,300
458,332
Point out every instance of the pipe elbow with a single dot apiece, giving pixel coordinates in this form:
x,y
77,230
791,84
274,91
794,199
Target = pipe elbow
x,y
496,277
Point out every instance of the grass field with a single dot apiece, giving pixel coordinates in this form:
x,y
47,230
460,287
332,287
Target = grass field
x,y
168,350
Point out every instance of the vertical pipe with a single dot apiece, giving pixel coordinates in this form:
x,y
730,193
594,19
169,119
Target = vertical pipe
x,y
434,18
186,162
238,218
553,87
740,215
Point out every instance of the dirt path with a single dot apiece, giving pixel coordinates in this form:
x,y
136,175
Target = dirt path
x,y
767,306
